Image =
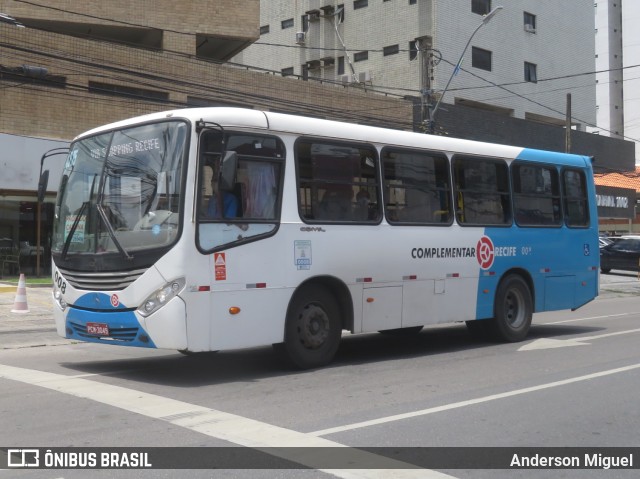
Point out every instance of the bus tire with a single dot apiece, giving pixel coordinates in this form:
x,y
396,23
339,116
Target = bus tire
x,y
313,328
605,270
480,328
513,309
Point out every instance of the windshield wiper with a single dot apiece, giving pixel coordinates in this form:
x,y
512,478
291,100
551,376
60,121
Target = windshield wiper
x,y
112,233
72,230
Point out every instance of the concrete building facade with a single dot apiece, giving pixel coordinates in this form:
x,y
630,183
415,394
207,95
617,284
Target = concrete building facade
x,y
522,63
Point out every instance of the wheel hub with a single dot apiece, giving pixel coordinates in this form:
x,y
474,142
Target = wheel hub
x,y
313,326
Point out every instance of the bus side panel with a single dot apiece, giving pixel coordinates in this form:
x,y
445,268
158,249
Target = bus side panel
x,y
259,322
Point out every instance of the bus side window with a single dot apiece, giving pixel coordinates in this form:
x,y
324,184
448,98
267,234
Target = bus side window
x,y
337,182
417,187
482,191
576,205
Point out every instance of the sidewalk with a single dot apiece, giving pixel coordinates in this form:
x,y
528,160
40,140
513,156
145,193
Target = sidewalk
x,y
23,330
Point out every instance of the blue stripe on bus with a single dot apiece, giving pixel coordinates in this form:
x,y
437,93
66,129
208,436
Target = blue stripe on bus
x,y
124,327
565,284
571,281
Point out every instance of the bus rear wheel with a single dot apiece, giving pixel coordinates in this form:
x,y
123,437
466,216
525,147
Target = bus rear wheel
x,y
313,328
513,309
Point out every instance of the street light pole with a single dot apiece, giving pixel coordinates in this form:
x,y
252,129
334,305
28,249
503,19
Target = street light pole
x,y
485,20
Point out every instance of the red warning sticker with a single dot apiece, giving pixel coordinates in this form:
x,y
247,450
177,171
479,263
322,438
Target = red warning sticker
x,y
220,263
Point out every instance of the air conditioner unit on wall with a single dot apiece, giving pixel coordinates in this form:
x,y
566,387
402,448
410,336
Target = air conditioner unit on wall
x,y
364,77
529,28
300,38
346,79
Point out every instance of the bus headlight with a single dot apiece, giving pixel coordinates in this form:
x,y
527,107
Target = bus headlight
x,y
57,296
160,297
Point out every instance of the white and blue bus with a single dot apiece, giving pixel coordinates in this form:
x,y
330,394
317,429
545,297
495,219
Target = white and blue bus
x,y
216,228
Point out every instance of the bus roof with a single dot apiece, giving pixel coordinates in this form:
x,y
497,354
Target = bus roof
x,y
231,117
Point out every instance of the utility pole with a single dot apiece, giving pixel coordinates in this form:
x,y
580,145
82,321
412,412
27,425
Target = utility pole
x,y
425,83
567,133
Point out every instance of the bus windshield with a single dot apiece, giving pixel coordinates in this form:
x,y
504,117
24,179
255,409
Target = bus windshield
x,y
121,191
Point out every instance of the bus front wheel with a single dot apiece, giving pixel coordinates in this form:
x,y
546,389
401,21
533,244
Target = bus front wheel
x,y
513,309
313,328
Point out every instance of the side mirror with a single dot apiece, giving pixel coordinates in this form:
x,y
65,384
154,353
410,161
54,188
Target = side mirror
x,y
228,169
42,185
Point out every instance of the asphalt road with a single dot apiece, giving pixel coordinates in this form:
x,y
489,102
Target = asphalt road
x,y
573,383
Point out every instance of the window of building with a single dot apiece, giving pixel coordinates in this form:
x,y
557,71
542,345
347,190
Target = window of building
x,y
481,7
264,29
529,22
416,187
390,50
530,72
305,71
413,51
536,195
361,56
413,2
340,9
481,58
481,191
304,20
287,71
288,23
337,182
340,65
360,4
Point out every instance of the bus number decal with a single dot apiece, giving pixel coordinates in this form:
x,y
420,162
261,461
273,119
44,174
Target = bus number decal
x,y
302,254
220,264
60,282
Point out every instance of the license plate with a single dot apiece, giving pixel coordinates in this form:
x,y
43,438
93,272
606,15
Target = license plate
x,y
98,329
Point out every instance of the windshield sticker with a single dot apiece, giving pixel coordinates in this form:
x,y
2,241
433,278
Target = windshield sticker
x,y
78,234
302,254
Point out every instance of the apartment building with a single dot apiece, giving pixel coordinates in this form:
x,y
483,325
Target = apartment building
x,y
521,63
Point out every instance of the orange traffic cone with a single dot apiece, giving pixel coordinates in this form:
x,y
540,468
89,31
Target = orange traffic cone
x,y
20,304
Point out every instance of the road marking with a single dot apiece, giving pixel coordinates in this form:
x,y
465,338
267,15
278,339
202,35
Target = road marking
x,y
470,402
221,425
587,319
548,343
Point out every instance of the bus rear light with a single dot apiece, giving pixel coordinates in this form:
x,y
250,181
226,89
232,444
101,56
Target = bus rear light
x,y
256,285
161,296
234,310
204,288
370,300
453,275
545,270
364,280
410,277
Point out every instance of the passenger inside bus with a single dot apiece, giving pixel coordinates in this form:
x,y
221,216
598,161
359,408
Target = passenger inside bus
x,y
335,204
228,204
